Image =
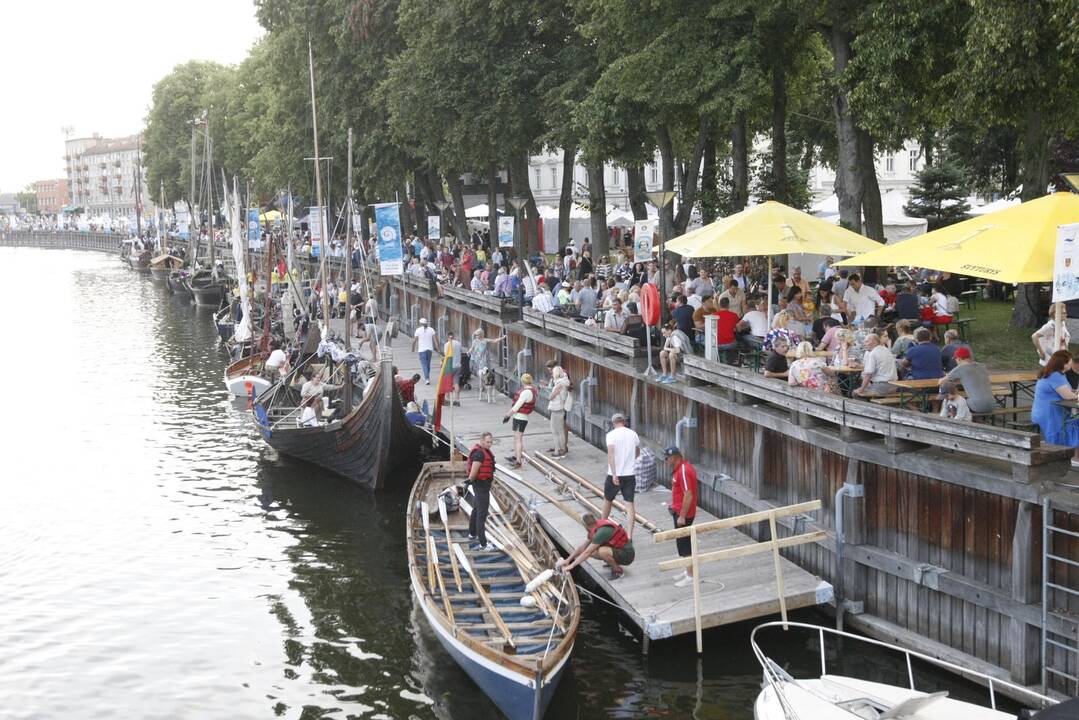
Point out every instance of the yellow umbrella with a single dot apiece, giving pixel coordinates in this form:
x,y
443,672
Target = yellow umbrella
x,y
770,228
270,216
1013,245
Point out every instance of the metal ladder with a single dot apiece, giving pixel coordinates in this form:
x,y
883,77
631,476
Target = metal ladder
x,y
1060,601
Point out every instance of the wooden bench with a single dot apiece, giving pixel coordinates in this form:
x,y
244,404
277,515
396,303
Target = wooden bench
x,y
963,325
969,298
1002,412
604,342
886,400
488,303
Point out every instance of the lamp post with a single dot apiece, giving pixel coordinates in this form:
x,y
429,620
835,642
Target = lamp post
x,y
518,204
441,205
661,199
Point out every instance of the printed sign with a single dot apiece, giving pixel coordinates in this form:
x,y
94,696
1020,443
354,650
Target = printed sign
x,y
434,227
644,233
254,230
1066,267
314,226
505,231
390,255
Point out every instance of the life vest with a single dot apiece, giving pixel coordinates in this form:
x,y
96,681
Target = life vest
x,y
619,539
487,466
529,406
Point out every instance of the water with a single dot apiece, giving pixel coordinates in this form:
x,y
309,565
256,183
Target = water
x,y
156,560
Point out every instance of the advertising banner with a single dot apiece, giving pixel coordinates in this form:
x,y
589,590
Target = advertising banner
x,y
644,233
434,227
254,230
505,231
390,255
1066,266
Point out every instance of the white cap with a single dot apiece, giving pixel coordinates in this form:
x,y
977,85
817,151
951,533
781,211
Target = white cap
x,y
423,321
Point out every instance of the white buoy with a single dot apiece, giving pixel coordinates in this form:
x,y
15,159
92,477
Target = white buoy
x,y
528,601
539,580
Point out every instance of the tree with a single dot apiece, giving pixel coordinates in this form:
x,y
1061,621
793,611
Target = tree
x,y
939,195
27,199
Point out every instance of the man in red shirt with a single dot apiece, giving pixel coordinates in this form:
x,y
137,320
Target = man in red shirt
x,y
726,322
683,507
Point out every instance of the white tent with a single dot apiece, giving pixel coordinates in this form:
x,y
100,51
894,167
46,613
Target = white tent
x,y
478,211
898,226
993,206
620,218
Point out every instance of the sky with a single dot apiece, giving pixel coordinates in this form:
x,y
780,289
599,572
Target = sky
x,y
91,66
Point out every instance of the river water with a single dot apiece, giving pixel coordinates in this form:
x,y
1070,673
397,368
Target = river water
x,y
156,560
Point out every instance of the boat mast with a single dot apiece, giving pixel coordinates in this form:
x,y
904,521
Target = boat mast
x,y
161,218
348,250
138,185
210,191
192,234
322,244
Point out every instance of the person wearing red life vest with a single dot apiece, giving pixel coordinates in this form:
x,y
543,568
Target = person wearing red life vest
x,y
608,541
481,473
683,507
524,402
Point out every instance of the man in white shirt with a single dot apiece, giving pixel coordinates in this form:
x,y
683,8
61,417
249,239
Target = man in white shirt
x,y
860,301
738,277
542,300
309,417
615,319
879,372
424,341
277,363
758,323
623,447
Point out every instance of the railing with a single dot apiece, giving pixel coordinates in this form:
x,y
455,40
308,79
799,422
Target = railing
x,y
775,676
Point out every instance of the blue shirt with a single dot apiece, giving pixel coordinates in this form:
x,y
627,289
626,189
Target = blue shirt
x,y
683,317
925,362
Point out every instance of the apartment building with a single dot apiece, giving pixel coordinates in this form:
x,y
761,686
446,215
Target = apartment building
x,y
101,175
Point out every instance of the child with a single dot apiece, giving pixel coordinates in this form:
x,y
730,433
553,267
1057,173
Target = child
x,y
953,405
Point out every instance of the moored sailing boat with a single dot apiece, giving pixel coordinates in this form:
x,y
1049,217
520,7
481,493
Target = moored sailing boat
x,y
509,630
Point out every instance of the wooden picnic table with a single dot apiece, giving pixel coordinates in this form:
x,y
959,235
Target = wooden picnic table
x,y
1016,381
847,377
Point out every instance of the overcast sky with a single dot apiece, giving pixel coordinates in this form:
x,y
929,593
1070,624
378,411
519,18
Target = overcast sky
x,y
92,66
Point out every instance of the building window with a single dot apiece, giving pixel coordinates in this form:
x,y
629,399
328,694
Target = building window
x,y
889,163
653,173
554,176
913,160
539,183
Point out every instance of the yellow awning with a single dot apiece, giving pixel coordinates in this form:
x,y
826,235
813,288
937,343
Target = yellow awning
x,y
1013,245
770,228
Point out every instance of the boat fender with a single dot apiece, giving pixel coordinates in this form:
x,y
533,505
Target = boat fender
x,y
528,601
539,580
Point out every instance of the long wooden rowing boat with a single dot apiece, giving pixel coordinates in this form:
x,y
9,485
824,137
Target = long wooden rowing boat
x,y
515,651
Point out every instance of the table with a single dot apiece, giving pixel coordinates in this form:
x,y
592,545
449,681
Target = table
x,y
1073,411
921,389
848,378
917,390
1019,380
969,298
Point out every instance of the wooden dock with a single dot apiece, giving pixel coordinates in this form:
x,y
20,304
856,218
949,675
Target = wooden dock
x,y
731,590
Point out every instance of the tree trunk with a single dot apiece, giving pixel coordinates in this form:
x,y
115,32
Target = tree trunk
x,y
691,178
1034,174
408,224
666,155
635,185
848,185
708,182
565,197
523,188
492,202
597,200
739,163
867,170
779,134
460,225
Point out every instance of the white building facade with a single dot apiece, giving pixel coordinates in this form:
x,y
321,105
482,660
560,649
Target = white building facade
x,y
101,175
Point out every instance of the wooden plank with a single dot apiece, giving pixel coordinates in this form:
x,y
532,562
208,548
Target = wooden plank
x,y
744,550
732,522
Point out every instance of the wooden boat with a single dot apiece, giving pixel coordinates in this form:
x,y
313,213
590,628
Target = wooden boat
x,y
514,651
224,323
162,265
840,697
207,290
364,443
244,377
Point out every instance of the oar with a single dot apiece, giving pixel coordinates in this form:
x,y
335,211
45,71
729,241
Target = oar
x,y
433,550
427,539
599,493
506,634
446,527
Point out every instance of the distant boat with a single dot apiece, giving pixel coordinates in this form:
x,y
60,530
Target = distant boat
x,y
840,697
244,377
513,643
363,439
162,265
209,290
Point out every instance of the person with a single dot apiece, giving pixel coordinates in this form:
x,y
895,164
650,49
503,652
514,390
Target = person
x,y
726,338
775,365
1043,336
839,287
452,348
608,541
481,473
542,300
424,341
675,345
736,297
586,299
556,406
757,320
861,302
780,329
904,337
880,370
974,377
615,319
623,446
683,507
407,387
739,277
683,315
277,363
807,370
953,405
414,415
1053,420
923,357
947,353
524,402
644,470
309,415
314,387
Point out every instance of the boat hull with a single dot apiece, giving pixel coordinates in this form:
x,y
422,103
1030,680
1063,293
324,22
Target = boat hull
x,y
242,386
208,295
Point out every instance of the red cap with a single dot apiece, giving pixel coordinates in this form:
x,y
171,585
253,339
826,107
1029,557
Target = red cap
x,y
962,353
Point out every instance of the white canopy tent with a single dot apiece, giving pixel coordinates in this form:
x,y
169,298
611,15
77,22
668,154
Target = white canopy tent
x,y
993,206
478,212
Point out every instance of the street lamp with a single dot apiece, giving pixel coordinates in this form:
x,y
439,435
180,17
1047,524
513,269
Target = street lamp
x,y
518,204
441,205
661,199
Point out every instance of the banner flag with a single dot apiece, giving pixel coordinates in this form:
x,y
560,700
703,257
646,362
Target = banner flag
x,y
434,227
644,233
390,254
254,231
505,231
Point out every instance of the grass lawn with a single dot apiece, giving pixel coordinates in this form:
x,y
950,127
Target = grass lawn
x,y
995,342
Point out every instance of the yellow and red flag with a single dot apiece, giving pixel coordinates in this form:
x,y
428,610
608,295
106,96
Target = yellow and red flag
x,y
445,383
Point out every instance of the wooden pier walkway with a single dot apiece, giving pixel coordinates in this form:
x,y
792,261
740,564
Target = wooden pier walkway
x,y
731,590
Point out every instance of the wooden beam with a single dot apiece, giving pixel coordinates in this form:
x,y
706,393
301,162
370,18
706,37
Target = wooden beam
x,y
737,520
744,550
696,566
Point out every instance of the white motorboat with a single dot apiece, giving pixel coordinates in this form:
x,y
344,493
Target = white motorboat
x,y
841,697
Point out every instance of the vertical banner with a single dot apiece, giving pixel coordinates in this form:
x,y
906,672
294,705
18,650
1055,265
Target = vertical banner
x,y
254,229
505,231
1066,267
644,233
434,227
314,226
390,256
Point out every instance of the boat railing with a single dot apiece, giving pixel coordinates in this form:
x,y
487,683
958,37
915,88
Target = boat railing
x,y
775,675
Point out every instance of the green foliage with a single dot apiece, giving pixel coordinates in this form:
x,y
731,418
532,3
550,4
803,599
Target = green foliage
x,y
939,195
27,199
794,192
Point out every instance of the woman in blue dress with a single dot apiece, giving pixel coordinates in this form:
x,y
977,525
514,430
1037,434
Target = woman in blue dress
x,y
1054,421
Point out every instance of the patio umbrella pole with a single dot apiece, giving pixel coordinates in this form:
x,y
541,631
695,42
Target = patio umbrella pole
x,y
769,300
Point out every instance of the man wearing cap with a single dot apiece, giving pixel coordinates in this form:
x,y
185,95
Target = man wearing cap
x,y
623,447
424,341
974,377
683,507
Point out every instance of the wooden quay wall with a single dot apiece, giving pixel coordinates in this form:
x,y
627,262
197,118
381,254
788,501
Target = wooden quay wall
x,y
942,521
